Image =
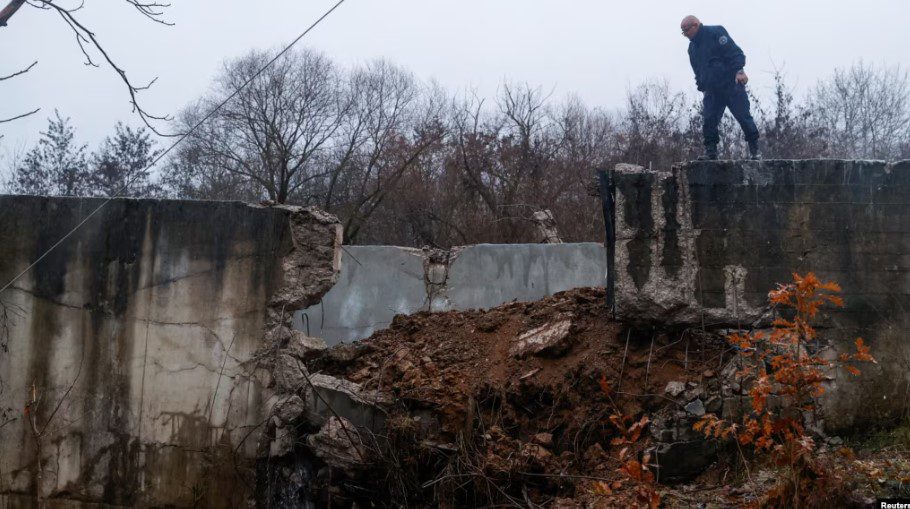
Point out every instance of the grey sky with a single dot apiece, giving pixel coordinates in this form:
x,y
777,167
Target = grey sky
x,y
595,49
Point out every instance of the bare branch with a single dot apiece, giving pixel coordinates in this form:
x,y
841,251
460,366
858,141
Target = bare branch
x,y
9,10
151,10
19,73
85,37
17,117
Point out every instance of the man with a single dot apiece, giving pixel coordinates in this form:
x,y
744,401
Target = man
x,y
718,64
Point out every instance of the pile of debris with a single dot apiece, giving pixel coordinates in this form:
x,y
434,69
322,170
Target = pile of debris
x,y
481,407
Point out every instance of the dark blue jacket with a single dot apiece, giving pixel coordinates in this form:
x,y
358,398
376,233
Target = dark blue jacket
x,y
715,58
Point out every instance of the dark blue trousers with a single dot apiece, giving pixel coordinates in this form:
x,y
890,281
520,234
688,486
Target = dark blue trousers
x,y
716,101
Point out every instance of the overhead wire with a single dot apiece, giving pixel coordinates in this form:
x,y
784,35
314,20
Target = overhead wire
x,y
177,142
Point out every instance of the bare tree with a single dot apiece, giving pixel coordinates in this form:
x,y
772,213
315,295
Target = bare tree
x,y
587,142
193,173
653,125
864,111
306,132
276,133
788,131
392,127
403,162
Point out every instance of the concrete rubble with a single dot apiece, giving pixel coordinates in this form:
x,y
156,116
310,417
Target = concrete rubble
x,y
546,226
338,443
550,339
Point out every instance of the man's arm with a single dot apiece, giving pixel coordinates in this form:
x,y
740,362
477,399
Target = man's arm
x,y
732,54
694,70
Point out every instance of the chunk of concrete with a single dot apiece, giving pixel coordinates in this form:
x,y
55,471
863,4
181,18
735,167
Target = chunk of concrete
x,y
290,409
674,388
304,347
337,396
311,266
278,335
289,373
338,443
551,338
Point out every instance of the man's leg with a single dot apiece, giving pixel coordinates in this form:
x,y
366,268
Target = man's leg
x,y
713,107
739,107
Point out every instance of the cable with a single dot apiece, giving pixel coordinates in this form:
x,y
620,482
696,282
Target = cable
x,y
182,137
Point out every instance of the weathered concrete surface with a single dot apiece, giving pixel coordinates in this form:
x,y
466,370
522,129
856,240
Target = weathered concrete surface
x,y
375,284
706,241
522,272
378,282
124,366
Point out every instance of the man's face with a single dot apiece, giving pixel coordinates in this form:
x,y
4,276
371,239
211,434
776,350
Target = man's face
x,y
689,28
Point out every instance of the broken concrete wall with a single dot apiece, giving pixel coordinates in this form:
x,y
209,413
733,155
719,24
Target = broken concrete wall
x,y
704,242
125,373
378,282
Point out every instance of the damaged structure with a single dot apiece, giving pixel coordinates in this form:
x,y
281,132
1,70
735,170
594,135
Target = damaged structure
x,y
378,282
704,242
179,353
128,354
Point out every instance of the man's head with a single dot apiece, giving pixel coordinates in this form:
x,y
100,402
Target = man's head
x,y
690,26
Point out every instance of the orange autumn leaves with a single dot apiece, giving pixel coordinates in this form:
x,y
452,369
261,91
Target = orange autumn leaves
x,y
639,479
786,368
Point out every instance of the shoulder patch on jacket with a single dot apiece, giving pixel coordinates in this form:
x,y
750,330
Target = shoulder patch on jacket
x,y
723,40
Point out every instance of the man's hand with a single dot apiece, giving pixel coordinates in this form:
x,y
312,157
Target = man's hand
x,y
741,78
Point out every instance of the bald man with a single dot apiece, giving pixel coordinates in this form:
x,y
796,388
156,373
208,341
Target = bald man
x,y
718,64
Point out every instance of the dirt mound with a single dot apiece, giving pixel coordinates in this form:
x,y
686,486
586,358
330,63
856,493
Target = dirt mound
x,y
506,405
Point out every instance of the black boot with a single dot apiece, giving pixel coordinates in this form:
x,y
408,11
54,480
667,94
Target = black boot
x,y
710,154
754,151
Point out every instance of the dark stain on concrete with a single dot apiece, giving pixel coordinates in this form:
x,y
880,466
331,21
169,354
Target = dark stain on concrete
x,y
638,215
102,263
847,221
672,256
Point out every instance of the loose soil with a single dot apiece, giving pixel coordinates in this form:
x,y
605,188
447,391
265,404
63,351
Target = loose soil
x,y
536,427
475,426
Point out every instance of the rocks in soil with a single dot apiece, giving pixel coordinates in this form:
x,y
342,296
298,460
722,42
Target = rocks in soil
x,y
544,439
683,460
714,405
674,388
548,339
509,391
696,408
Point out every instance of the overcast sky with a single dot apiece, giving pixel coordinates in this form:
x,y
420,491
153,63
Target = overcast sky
x,y
595,49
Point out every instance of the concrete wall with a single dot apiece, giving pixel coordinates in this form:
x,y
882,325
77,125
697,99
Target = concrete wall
x,y
124,353
707,241
378,282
